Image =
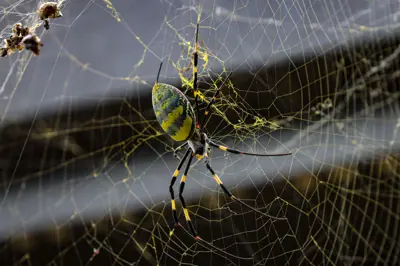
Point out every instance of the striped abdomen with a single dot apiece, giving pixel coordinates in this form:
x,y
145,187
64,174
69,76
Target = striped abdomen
x,y
173,111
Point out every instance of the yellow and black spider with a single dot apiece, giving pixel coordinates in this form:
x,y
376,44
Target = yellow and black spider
x,y
177,118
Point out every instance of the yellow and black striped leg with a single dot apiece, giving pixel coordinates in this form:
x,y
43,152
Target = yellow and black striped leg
x,y
195,69
229,194
207,110
159,71
171,186
185,210
178,149
242,152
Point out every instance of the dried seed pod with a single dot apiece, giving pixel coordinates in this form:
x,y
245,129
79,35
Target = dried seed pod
x,y
49,10
32,43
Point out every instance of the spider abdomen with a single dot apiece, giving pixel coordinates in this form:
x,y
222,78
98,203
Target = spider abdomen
x,y
173,111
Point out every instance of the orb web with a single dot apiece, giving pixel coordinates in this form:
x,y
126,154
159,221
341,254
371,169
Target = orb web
x,y
85,167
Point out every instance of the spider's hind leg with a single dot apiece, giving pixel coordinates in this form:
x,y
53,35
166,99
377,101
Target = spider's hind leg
x,y
185,210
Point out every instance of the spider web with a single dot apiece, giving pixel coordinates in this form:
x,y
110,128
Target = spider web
x,y
85,167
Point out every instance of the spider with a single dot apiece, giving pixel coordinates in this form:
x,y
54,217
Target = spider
x,y
176,116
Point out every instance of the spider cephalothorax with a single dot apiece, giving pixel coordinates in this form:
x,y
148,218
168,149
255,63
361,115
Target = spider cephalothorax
x,y
179,120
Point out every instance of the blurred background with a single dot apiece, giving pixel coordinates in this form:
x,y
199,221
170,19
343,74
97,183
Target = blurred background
x,y
85,167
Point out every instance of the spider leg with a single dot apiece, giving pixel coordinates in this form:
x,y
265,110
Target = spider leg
x,y
242,152
205,150
178,149
195,62
46,24
230,195
171,189
181,187
207,110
